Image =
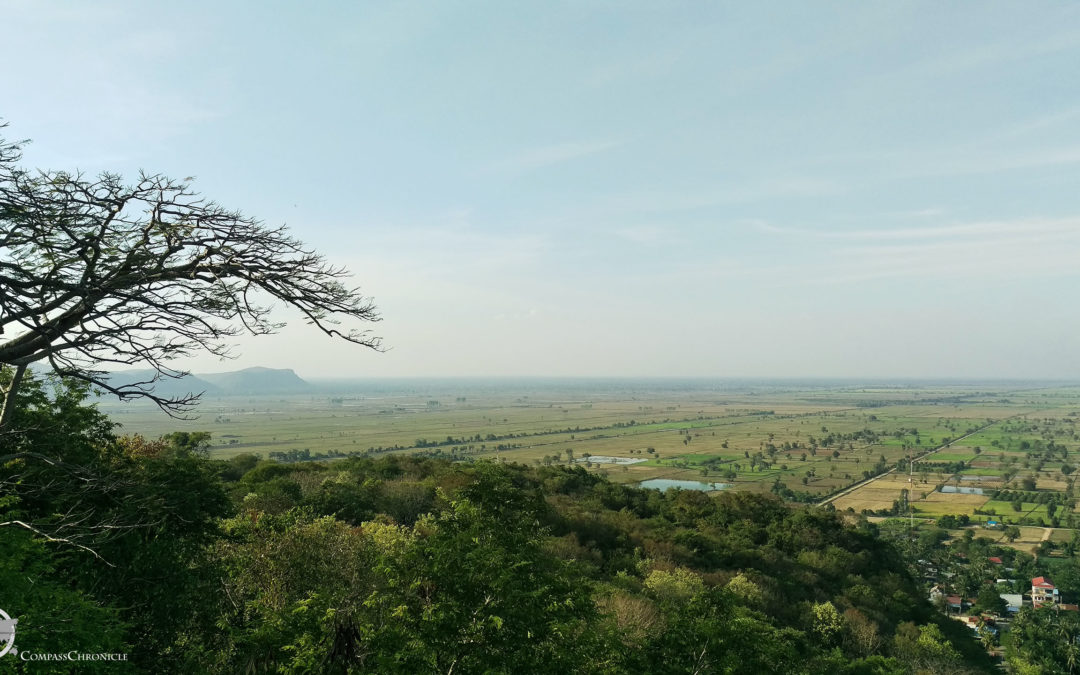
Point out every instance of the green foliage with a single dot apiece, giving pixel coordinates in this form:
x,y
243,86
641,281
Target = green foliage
x,y
746,591
406,565
826,622
676,586
989,600
930,650
1045,640
53,616
122,522
195,441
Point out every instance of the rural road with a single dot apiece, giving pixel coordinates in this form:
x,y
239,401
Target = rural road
x,y
851,488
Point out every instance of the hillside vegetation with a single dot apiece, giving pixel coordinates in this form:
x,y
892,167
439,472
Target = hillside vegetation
x,y
414,565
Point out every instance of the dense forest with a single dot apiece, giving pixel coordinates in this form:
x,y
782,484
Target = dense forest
x,y
122,544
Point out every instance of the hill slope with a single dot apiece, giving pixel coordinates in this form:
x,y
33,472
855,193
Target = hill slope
x,y
257,381
166,386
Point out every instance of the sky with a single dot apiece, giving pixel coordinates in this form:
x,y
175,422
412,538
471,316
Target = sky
x,y
745,189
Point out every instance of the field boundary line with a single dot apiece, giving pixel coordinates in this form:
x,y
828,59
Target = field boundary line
x,y
866,481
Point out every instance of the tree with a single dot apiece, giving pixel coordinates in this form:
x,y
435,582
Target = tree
x,y
987,637
124,523
1047,638
96,272
51,470
931,651
50,612
826,622
988,600
861,632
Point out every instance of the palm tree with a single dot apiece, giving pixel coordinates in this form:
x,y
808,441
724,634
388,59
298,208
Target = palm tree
x,y
1072,650
986,637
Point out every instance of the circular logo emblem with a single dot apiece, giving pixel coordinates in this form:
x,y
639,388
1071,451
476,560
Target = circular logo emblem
x,y
7,632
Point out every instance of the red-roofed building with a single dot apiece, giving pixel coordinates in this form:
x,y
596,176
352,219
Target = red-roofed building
x,y
996,560
1043,592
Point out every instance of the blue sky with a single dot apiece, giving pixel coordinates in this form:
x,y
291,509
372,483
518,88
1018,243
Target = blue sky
x,y
610,188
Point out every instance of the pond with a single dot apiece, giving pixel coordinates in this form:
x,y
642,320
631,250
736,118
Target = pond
x,y
952,489
604,459
666,483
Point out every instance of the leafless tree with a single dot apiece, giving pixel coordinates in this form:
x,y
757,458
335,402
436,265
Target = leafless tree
x,y
96,273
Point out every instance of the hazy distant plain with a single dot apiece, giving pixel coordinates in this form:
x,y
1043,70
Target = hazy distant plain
x,y
686,423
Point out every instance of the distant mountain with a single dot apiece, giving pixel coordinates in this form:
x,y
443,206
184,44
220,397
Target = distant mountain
x,y
246,381
166,386
257,381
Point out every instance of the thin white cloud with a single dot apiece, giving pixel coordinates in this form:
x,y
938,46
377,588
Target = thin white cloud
x,y
1027,228
1025,248
987,156
932,212
962,60
647,234
550,155
746,191
1039,123
997,162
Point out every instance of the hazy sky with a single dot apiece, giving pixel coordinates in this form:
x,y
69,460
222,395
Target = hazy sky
x,y
610,188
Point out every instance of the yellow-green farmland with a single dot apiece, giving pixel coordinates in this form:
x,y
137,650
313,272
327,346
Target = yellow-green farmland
x,y
806,441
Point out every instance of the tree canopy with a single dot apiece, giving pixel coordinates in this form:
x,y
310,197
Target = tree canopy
x,y
409,564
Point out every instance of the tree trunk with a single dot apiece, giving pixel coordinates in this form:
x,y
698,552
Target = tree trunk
x,y
9,396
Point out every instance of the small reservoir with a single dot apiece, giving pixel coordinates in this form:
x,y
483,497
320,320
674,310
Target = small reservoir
x,y
952,489
663,484
604,459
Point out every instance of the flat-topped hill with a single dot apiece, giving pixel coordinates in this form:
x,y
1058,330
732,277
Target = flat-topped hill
x,y
257,380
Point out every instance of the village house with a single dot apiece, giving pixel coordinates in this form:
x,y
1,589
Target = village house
x,y
1013,602
954,602
936,592
1043,592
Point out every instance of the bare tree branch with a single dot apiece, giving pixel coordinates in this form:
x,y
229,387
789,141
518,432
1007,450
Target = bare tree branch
x,y
50,538
96,272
